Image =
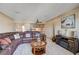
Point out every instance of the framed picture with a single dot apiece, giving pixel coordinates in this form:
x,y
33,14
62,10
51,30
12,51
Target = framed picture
x,y
68,21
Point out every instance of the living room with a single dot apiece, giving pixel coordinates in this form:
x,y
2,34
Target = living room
x,y
39,29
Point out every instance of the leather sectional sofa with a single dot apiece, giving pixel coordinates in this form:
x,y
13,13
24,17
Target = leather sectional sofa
x,y
25,37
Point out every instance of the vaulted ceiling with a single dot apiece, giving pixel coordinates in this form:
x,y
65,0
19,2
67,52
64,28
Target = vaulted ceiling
x,y
32,11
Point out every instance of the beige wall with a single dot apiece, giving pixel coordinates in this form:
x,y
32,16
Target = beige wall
x,y
57,24
6,24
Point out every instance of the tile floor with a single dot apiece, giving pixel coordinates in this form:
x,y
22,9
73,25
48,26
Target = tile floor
x,y
51,49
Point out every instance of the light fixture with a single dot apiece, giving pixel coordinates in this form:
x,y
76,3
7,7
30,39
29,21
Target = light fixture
x,y
38,25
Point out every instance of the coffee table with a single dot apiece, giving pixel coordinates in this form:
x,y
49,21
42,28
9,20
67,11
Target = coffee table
x,y
38,48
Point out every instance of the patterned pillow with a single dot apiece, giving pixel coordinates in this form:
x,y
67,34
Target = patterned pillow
x,y
16,36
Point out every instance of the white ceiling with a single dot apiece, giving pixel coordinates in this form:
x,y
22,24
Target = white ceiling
x,y
32,11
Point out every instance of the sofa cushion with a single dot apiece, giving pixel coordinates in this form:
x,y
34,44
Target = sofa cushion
x,y
11,37
2,36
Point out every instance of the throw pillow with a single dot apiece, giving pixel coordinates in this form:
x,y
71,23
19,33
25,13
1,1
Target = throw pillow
x,y
2,41
8,40
28,35
16,36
